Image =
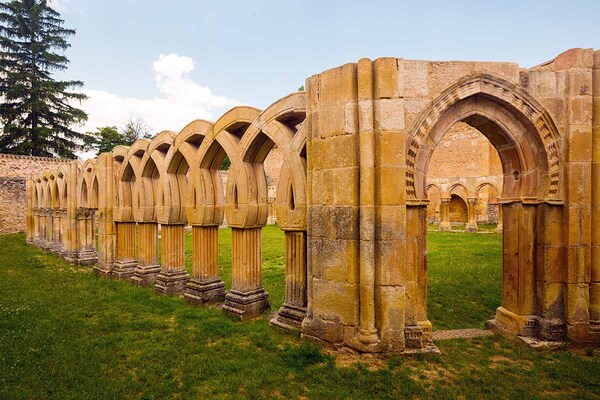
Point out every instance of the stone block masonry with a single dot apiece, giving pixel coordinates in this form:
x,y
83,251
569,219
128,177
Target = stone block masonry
x,y
14,170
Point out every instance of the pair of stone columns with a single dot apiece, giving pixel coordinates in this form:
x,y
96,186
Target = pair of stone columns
x,y
471,225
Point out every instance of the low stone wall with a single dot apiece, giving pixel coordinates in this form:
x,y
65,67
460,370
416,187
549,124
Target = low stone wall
x,y
13,172
12,205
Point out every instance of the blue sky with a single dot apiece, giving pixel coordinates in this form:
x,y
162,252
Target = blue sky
x,y
217,53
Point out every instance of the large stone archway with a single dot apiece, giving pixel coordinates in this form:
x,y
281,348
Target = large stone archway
x,y
531,162
375,125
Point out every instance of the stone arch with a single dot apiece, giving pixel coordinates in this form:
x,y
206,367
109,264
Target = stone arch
x,y
63,173
88,185
46,188
515,123
224,139
492,208
35,195
119,153
434,196
484,184
458,209
528,144
281,125
128,187
182,174
459,190
54,191
153,179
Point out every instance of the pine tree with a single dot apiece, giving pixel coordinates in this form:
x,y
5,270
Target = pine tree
x,y
35,110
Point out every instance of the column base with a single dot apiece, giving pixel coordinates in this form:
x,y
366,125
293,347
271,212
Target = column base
x,y
471,228
104,271
145,275
59,249
550,330
444,227
327,332
509,324
246,305
419,336
55,248
289,317
499,228
123,269
594,332
203,291
171,282
83,257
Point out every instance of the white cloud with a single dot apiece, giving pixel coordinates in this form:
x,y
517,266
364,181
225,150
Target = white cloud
x,y
182,100
57,4
64,6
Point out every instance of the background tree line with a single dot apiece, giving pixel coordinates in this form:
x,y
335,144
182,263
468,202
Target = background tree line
x,y
38,113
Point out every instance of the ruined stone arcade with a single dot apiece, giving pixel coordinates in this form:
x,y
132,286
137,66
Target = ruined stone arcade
x,y
352,200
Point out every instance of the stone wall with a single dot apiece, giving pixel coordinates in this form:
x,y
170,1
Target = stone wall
x,y
464,152
13,172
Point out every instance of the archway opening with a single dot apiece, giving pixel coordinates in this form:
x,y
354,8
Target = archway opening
x,y
457,210
530,185
465,269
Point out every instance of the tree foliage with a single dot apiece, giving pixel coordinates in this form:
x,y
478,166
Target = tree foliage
x,y
105,138
36,112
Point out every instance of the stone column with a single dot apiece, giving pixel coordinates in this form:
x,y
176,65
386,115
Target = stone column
x,y
47,244
206,285
125,261
472,215
445,214
595,240
72,225
36,226
293,311
247,298
29,216
517,316
173,276
86,253
106,225
39,227
147,267
56,227
64,226
499,227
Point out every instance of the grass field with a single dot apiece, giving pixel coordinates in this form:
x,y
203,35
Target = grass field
x,y
67,334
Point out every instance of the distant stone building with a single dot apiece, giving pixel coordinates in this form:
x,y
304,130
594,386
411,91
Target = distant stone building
x,y
13,172
465,173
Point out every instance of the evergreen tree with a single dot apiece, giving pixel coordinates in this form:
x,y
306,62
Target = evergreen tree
x,y
35,110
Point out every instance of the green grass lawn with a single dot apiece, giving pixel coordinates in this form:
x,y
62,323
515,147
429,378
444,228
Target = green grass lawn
x,y
68,334
465,279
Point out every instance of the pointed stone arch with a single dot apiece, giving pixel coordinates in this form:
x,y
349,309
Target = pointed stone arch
x,y
499,109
